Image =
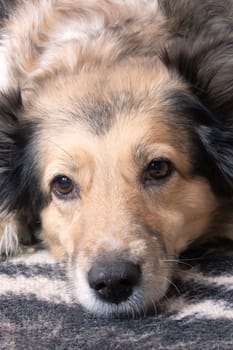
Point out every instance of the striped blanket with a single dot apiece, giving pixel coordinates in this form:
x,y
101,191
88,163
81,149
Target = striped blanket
x,y
37,311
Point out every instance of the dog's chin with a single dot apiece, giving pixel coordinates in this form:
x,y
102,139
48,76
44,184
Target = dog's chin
x,y
145,299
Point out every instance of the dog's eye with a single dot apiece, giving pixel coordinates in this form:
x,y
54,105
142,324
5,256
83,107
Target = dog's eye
x,y
63,186
158,169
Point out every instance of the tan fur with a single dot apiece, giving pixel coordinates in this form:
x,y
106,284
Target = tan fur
x,y
43,51
114,214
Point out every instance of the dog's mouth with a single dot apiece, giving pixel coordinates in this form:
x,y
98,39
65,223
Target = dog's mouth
x,y
119,288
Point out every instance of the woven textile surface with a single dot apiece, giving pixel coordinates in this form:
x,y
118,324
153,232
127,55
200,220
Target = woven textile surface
x,y
37,311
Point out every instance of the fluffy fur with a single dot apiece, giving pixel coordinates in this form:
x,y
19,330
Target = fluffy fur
x,y
101,93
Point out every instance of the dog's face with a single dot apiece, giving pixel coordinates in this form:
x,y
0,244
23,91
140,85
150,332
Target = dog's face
x,y
119,171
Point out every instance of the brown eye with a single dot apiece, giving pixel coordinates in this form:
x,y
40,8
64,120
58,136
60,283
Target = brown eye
x,y
63,186
158,169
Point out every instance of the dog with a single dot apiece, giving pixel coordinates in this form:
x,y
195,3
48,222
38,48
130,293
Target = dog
x,y
116,133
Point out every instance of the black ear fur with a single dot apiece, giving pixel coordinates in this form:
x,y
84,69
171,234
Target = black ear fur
x,y
19,185
207,66
218,144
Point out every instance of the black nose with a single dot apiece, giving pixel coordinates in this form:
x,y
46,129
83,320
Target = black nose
x,y
114,281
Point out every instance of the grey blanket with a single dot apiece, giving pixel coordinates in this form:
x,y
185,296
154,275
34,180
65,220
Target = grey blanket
x,y
37,311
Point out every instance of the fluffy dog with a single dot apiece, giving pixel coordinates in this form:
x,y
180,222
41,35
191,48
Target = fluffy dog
x,y
116,130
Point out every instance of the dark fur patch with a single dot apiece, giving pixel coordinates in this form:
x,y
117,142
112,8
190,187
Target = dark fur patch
x,y
5,7
19,184
212,141
207,65
99,114
187,19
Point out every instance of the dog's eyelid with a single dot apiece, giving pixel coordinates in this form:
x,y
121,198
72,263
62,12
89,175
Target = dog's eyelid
x,y
143,154
71,196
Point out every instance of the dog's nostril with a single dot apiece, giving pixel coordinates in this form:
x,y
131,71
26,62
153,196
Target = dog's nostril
x,y
125,282
100,286
114,281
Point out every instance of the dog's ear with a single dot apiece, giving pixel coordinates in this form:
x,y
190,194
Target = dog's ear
x,y
19,188
217,142
207,66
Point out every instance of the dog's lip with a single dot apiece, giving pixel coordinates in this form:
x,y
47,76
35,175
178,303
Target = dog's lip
x,y
132,308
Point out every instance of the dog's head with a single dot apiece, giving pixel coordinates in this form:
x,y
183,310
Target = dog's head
x,y
126,166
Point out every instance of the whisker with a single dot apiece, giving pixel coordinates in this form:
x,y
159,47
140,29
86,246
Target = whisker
x,y
192,259
154,306
185,264
172,284
177,261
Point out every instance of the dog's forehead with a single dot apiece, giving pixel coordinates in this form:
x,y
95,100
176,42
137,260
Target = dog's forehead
x,y
97,98
123,110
